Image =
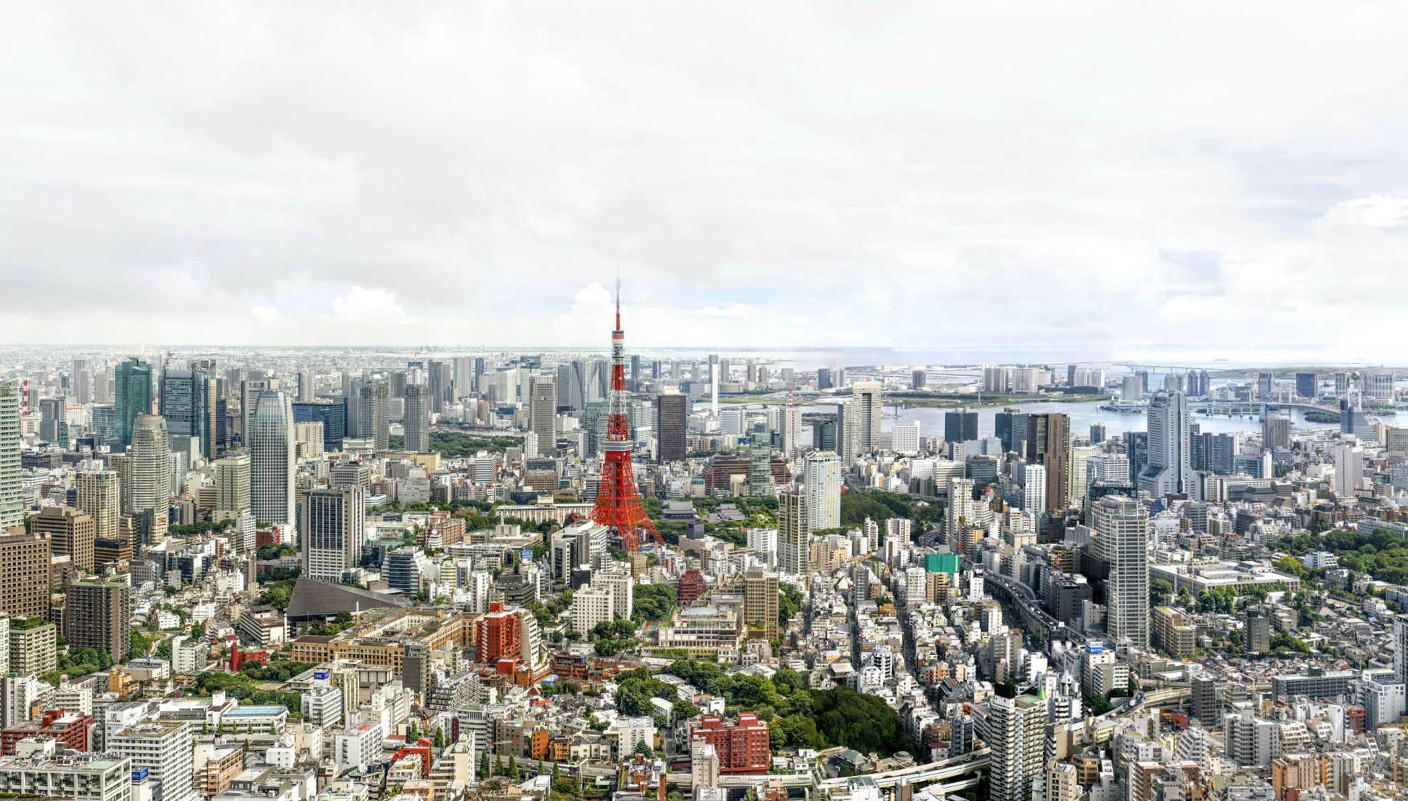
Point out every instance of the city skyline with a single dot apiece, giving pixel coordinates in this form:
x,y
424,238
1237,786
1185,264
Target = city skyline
x,y
424,182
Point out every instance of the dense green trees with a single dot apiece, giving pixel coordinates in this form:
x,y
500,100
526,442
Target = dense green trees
x,y
801,717
457,444
1381,554
789,602
652,602
880,506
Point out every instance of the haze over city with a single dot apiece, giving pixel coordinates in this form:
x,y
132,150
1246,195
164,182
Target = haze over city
x,y
544,401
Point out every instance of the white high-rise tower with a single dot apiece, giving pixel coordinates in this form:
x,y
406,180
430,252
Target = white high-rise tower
x,y
1169,469
821,478
11,486
1121,540
271,452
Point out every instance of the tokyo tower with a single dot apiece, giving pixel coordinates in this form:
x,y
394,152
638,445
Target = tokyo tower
x,y
617,499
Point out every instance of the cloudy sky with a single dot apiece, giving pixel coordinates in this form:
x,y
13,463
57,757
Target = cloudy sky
x,y
1131,176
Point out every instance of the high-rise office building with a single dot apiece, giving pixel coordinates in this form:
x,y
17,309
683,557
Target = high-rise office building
x,y
332,526
53,420
25,564
415,421
1048,444
1169,468
373,417
81,382
1378,386
1017,738
232,485
187,403
1307,385
671,421
71,533
1121,540
960,426
271,457
1276,432
306,389
760,602
97,615
542,412
132,394
150,468
11,478
793,533
332,415
100,497
439,380
1349,469
821,480
1010,427
865,414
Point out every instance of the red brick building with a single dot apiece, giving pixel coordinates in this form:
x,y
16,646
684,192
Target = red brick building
x,y
692,586
71,729
743,747
498,635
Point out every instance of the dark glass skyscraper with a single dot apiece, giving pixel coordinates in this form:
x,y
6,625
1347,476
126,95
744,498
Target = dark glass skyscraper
x,y
1010,427
670,422
333,416
132,396
960,426
187,401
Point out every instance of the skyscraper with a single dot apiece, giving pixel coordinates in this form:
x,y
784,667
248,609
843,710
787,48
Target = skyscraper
x,y
11,481
1048,444
415,421
232,486
187,402
1010,427
1017,737
760,602
671,420
70,532
151,476
100,497
271,451
1168,470
332,527
960,426
821,480
864,416
132,396
373,421
1307,385
793,533
81,382
1276,432
1121,540
542,412
98,615
332,415
306,389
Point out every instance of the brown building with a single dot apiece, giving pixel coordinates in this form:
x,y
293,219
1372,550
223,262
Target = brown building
x,y
71,532
97,615
24,574
720,470
1049,445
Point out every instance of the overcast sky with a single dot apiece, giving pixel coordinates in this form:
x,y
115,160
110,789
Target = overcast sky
x,y
1129,175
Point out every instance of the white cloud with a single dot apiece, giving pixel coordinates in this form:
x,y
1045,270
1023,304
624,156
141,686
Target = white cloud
x,y
1379,211
790,173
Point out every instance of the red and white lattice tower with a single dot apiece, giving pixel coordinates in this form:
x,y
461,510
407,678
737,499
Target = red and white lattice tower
x,y
618,502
